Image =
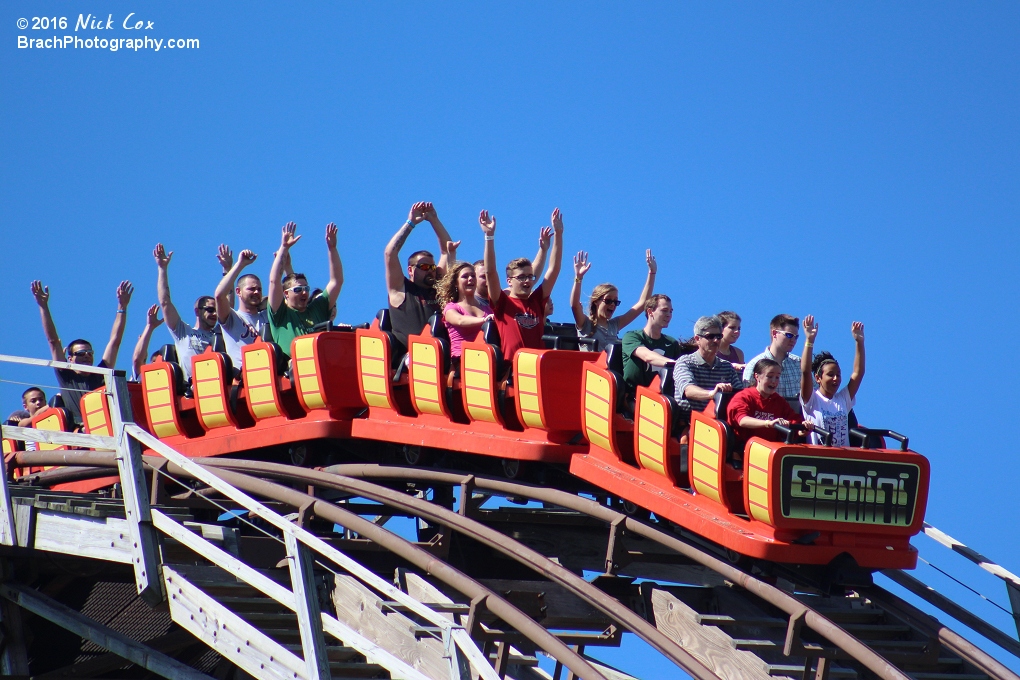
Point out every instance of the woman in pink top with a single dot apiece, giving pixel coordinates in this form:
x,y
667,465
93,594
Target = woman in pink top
x,y
463,313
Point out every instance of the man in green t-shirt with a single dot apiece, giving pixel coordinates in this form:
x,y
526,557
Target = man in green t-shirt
x,y
650,346
290,312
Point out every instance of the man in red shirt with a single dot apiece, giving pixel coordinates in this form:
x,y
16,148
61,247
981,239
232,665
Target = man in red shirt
x,y
756,410
520,314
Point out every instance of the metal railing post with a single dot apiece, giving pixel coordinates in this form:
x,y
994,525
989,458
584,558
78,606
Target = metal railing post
x,y
144,544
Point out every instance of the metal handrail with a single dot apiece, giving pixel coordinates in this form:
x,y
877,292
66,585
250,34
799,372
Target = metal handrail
x,y
82,368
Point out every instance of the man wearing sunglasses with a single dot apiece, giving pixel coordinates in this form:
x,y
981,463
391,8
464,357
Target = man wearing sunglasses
x,y
520,314
292,310
412,298
74,384
699,376
784,329
189,340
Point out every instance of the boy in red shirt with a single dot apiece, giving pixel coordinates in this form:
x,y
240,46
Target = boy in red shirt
x,y
520,314
756,410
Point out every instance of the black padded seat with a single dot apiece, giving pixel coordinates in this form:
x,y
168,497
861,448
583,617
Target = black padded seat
x,y
169,353
734,452
56,401
439,331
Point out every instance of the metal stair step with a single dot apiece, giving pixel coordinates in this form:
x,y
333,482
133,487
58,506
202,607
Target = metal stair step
x,y
333,652
724,620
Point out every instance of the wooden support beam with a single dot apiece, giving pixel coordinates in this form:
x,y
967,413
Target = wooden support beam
x,y
95,632
707,643
306,599
8,534
145,558
106,539
88,441
230,635
270,588
13,650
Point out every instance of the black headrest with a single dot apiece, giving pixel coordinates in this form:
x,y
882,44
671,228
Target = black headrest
x,y
384,320
169,353
722,400
218,344
490,333
228,367
180,384
438,327
614,358
57,401
282,360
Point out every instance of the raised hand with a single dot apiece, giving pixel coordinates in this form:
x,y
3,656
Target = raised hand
x,y
451,250
287,237
581,264
650,261
429,213
247,257
162,257
41,293
544,236
557,221
487,223
857,330
417,213
226,257
810,328
331,236
152,319
124,291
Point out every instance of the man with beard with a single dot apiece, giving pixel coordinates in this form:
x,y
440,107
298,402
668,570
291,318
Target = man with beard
x,y
74,384
291,313
412,298
189,340
248,321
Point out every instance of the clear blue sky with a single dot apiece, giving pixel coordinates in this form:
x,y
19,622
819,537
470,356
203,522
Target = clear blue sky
x,y
850,161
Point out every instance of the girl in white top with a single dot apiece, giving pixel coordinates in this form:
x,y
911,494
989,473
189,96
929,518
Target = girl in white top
x,y
599,328
828,406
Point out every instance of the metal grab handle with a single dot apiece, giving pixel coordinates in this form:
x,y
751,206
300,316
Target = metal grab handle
x,y
863,433
788,431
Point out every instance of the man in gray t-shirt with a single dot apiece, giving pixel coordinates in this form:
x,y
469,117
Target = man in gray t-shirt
x,y
247,322
189,340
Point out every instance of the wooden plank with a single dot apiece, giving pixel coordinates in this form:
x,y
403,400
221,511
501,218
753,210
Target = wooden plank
x,y
306,599
106,539
709,644
267,586
460,636
13,651
8,534
105,637
145,559
88,441
231,636
360,608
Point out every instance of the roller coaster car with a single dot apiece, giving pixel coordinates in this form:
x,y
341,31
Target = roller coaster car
x,y
783,502
52,418
532,416
268,410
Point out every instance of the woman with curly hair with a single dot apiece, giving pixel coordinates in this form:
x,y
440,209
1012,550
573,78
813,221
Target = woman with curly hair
x,y
599,328
463,313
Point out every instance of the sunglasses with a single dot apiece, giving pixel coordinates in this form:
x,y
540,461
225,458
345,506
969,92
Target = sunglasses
x,y
426,267
711,336
208,310
300,289
81,353
788,336
523,277
611,303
